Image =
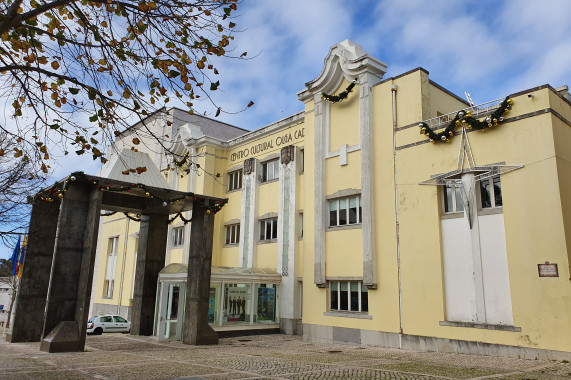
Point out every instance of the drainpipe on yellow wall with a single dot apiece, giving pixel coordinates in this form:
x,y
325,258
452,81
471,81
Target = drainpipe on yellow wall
x,y
394,93
123,267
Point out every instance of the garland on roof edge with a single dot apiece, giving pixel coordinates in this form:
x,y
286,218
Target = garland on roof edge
x,y
58,189
339,98
465,117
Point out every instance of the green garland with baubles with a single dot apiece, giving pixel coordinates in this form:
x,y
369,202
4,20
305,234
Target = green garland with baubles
x,y
59,189
342,96
466,118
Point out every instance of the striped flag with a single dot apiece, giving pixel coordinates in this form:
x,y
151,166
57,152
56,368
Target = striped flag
x,y
15,256
20,266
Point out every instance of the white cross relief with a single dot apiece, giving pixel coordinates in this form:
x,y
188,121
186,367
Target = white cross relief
x,y
467,174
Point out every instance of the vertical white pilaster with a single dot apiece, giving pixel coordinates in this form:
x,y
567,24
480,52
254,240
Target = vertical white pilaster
x,y
321,128
287,220
367,182
248,222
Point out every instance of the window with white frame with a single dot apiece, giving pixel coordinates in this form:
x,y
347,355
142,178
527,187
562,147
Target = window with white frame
x,y
345,211
177,236
348,296
301,160
233,234
453,198
491,192
269,229
112,247
235,180
270,170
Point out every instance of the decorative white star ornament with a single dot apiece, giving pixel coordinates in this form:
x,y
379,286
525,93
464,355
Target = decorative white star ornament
x,y
465,178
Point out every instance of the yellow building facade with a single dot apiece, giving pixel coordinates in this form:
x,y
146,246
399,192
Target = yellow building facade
x,y
333,231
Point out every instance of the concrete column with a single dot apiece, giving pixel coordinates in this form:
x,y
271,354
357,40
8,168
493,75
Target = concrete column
x,y
196,330
150,260
367,181
287,239
30,304
69,292
248,221
321,147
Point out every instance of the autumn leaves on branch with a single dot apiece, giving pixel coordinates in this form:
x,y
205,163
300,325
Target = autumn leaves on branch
x,y
75,72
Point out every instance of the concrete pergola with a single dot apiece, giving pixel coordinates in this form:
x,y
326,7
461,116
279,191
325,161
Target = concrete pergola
x,y
53,298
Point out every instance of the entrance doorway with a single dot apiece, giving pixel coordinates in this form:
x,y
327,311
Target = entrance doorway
x,y
171,310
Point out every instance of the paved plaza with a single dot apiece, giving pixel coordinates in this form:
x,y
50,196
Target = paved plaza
x,y
124,357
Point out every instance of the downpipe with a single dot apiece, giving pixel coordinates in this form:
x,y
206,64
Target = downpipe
x,y
397,225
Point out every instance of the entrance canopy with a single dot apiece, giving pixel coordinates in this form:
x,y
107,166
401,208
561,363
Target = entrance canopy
x,y
178,271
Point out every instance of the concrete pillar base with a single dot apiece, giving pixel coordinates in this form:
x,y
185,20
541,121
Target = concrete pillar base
x,y
207,336
63,338
291,326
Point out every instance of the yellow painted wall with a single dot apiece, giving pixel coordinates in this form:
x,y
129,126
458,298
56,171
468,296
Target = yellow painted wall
x,y
344,255
442,102
344,119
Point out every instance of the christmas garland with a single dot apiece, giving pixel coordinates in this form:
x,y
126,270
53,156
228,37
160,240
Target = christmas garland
x,y
339,98
179,215
465,117
182,161
58,190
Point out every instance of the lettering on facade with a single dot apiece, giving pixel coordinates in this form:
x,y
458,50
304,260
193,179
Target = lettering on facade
x,y
283,139
547,270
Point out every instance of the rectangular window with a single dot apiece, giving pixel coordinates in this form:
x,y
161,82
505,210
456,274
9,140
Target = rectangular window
x,y
453,198
344,211
301,160
269,229
235,180
348,296
177,236
270,170
233,234
112,247
491,192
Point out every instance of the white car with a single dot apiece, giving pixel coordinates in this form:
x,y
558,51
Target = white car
x,y
108,323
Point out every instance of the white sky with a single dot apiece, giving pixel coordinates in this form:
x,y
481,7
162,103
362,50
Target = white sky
x,y
486,47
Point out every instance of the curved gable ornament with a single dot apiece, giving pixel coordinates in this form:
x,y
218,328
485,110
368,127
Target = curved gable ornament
x,y
346,60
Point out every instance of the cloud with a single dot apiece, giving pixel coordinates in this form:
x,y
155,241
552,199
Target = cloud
x,y
289,43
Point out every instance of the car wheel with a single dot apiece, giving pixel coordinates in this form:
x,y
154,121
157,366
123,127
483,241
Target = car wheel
x,y
98,331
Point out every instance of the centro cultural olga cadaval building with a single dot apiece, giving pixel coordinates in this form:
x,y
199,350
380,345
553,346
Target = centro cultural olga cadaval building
x,y
375,216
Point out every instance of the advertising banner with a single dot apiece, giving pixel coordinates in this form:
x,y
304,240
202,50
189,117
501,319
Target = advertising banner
x,y
266,304
235,304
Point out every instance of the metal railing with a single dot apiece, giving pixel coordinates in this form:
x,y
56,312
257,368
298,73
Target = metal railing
x,y
478,111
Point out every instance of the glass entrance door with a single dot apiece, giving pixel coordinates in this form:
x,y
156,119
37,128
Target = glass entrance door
x,y
171,311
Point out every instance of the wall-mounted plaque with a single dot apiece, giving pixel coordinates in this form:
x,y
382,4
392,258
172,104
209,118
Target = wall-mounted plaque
x,y
547,270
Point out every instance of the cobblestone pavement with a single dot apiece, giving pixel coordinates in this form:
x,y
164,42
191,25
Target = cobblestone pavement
x,y
124,357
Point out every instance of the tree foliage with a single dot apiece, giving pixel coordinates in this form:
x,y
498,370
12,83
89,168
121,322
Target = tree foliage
x,y
16,184
107,60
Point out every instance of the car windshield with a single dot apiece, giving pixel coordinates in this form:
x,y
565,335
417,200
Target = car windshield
x,y
91,319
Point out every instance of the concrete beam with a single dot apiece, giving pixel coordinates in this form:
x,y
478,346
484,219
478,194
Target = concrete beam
x,y
150,260
196,330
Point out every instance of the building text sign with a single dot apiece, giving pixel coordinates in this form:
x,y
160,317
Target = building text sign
x,y
547,270
283,139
